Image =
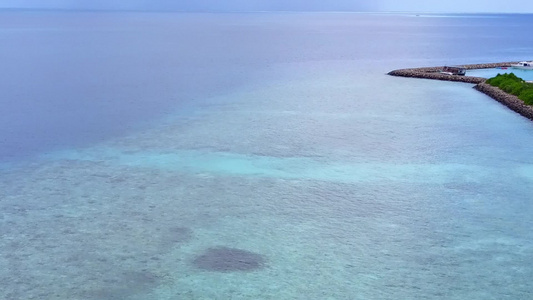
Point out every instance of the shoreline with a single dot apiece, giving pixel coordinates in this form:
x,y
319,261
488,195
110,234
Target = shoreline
x,y
511,101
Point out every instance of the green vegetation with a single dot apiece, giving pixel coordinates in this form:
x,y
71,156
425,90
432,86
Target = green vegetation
x,y
514,85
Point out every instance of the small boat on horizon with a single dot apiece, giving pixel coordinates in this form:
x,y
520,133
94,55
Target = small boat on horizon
x,y
523,65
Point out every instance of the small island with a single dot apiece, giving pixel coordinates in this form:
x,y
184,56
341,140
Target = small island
x,y
509,90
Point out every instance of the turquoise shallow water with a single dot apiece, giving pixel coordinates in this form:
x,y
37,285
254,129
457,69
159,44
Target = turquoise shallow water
x,y
488,73
301,171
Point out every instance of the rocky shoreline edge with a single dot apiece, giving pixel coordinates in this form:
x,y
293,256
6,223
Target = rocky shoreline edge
x,y
511,101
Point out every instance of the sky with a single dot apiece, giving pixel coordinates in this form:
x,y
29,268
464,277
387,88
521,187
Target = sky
x,y
495,6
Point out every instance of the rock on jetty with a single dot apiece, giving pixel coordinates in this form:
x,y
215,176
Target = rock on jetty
x,y
511,101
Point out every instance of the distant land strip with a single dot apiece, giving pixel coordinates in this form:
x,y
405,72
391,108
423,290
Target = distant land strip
x,y
511,101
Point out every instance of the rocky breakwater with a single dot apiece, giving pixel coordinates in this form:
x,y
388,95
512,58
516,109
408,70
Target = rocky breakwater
x,y
430,73
435,72
511,101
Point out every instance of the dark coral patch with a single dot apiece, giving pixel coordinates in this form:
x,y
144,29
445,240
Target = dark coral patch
x,y
223,259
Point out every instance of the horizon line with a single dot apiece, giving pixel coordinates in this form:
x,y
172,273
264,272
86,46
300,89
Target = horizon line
x,y
252,11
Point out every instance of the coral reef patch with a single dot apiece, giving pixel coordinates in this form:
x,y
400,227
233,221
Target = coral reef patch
x,y
223,259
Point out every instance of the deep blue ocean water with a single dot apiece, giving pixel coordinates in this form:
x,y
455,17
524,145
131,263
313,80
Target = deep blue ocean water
x,y
260,156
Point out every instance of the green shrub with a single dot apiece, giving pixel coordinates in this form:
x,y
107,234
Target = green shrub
x,y
527,95
495,81
514,85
